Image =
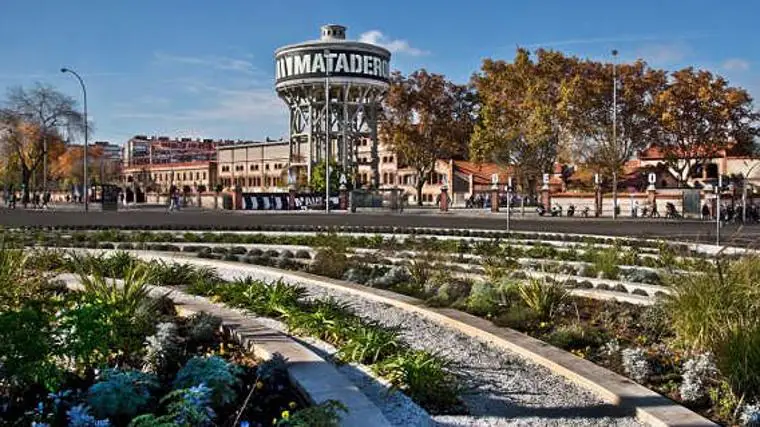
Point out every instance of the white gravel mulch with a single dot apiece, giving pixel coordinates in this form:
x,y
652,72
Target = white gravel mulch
x,y
503,388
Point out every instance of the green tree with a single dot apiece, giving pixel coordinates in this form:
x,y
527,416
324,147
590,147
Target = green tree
x,y
520,124
427,118
700,116
588,109
318,177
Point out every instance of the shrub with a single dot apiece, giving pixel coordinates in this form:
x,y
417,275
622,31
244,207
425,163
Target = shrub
x,y
394,276
697,373
424,377
187,407
325,414
635,364
238,250
517,317
79,416
420,269
750,415
738,358
121,394
542,296
655,321
303,254
574,337
163,349
202,328
218,374
483,299
329,262
369,344
26,345
606,263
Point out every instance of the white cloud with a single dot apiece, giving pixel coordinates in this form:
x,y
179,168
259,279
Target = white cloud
x,y
215,62
664,53
736,64
395,46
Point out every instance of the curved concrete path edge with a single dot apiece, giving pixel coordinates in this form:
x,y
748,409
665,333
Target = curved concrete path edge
x,y
649,406
316,379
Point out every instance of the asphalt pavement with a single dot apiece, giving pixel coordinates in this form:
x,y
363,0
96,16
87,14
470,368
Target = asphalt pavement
x,y
686,230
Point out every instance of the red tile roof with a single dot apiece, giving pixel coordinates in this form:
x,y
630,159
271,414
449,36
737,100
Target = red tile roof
x,y
481,172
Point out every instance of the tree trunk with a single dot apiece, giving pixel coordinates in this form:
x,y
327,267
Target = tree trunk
x,y
419,185
614,194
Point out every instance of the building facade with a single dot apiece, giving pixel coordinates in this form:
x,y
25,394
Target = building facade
x,y
160,177
255,166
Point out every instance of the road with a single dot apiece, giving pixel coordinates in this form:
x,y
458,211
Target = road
x,y
698,231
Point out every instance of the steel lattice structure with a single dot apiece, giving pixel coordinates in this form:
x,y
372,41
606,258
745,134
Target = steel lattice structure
x,y
355,75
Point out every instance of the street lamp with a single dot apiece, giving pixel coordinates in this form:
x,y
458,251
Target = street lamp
x,y
327,132
84,91
614,129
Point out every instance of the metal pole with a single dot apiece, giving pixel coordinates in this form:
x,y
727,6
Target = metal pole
x,y
614,129
717,210
744,202
84,92
327,133
44,162
509,204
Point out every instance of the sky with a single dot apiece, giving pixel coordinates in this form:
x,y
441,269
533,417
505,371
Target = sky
x,y
205,69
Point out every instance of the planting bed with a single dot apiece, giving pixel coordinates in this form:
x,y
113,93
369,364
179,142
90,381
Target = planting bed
x,y
110,354
689,329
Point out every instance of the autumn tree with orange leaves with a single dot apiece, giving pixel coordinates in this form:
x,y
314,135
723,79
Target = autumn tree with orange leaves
x,y
701,116
427,118
30,121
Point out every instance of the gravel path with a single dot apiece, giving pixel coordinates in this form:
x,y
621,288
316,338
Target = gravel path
x,y
504,389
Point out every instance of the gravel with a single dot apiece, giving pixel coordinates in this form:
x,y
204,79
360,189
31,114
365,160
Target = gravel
x,y
503,388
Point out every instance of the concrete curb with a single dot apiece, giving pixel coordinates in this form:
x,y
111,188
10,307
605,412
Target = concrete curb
x,y
650,407
315,378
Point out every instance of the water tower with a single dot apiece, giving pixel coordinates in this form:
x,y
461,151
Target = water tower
x,y
333,88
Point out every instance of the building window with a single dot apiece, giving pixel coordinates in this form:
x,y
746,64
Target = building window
x,y
225,168
252,167
390,159
204,175
250,182
255,167
266,167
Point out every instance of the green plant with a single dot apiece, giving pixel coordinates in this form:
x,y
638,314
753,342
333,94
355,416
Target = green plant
x,y
517,317
738,358
28,347
187,407
327,319
121,394
202,328
176,274
17,283
368,344
606,262
421,269
327,414
218,374
574,337
424,377
329,262
130,309
163,349
542,296
483,299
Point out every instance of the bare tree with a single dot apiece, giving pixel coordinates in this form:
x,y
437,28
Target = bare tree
x,y
29,118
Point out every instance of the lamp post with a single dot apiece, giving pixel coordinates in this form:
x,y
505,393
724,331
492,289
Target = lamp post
x,y
614,129
84,177
327,132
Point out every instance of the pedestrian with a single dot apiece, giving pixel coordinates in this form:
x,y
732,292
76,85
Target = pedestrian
x,y
705,212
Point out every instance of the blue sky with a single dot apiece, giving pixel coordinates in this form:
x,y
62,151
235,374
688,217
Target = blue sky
x,y
206,69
